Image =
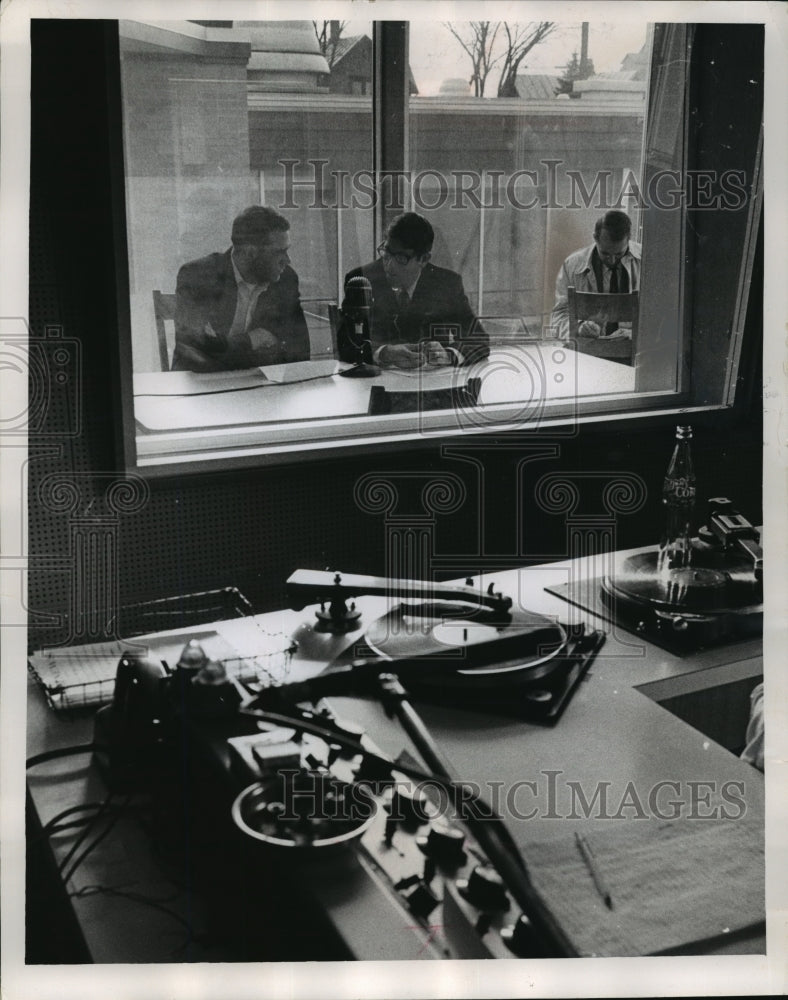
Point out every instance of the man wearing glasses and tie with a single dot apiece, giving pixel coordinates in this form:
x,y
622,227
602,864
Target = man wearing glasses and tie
x,y
420,314
610,264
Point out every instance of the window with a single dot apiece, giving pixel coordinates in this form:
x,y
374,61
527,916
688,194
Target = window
x,y
341,125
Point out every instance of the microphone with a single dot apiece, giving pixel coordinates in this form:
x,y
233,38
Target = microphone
x,y
358,301
357,310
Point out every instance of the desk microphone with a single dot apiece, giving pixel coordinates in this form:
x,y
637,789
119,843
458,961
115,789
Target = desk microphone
x,y
357,310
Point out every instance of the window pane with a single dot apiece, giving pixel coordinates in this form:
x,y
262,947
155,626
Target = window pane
x,y
217,117
528,155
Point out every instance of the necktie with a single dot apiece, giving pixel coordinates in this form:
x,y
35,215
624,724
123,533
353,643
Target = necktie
x,y
618,284
403,300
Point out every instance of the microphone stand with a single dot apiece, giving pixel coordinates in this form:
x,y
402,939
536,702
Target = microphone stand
x,y
362,368
356,310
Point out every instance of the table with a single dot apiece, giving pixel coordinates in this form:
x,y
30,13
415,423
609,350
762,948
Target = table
x,y
178,413
615,732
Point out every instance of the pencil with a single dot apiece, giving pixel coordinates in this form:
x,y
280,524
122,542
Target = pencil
x,y
596,875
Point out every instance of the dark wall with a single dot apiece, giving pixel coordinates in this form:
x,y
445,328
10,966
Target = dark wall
x,y
253,529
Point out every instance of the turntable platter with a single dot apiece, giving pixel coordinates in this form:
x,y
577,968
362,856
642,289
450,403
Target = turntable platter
x,y
712,584
484,651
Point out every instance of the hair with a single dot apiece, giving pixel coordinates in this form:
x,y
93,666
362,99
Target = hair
x,y
412,231
255,224
617,224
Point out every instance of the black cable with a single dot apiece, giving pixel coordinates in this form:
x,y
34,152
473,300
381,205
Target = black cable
x,y
51,826
136,897
85,834
91,847
72,751
240,388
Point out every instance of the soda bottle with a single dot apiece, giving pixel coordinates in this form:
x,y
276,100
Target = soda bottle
x,y
678,499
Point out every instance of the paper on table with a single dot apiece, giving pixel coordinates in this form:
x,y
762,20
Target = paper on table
x,y
301,371
431,376
672,884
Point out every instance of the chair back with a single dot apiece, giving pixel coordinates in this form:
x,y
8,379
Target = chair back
x,y
164,311
604,307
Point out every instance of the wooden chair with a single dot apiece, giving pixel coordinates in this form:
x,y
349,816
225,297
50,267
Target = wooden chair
x,y
164,311
603,307
457,397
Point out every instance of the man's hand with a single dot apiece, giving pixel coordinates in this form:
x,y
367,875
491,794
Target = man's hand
x,y
402,356
588,328
260,337
434,353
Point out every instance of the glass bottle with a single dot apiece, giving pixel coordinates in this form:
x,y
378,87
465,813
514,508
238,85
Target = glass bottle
x,y
678,500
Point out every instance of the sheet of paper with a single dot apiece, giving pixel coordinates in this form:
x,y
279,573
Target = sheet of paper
x,y
302,371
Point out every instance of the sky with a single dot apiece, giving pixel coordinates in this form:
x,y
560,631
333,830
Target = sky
x,y
436,56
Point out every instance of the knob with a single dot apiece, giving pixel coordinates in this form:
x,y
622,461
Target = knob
x,y
484,888
409,806
521,939
192,658
421,899
444,843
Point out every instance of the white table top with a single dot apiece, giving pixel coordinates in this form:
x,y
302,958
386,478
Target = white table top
x,y
168,401
224,415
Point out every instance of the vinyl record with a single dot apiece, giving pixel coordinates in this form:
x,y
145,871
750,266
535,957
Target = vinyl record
x,y
484,650
715,583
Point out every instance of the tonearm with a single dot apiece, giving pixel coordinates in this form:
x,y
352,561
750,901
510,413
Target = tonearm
x,y
307,586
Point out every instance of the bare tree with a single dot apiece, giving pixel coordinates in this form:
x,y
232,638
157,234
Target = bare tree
x,y
478,38
478,43
328,34
520,39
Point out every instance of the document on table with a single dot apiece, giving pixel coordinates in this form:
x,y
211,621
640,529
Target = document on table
x,y
302,371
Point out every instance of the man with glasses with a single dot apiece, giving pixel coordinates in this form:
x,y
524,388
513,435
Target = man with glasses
x,y
241,308
610,264
420,313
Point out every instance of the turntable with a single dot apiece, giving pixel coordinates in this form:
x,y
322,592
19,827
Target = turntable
x,y
717,596
453,644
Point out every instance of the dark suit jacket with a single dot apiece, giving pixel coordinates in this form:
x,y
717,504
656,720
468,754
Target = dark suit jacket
x,y
206,297
439,310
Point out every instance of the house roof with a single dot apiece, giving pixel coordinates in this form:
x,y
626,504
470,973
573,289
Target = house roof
x,y
344,45
536,86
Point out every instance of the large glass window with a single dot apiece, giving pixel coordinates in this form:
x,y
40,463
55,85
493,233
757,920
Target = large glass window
x,y
512,139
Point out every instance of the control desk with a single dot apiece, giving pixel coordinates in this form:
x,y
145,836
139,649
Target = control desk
x,y
639,830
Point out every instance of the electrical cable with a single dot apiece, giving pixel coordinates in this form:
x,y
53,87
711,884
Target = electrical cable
x,y
91,847
72,751
51,826
240,388
137,897
85,834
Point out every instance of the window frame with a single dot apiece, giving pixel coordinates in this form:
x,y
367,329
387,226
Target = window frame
x,y
331,438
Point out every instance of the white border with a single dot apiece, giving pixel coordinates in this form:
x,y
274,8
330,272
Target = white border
x,y
596,977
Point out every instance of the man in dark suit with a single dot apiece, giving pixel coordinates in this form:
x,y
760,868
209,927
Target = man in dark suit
x,y
420,313
241,308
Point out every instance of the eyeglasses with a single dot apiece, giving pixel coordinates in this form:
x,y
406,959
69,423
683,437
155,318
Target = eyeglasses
x,y
401,258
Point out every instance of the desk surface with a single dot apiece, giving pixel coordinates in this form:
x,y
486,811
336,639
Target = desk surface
x,y
614,732
181,413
